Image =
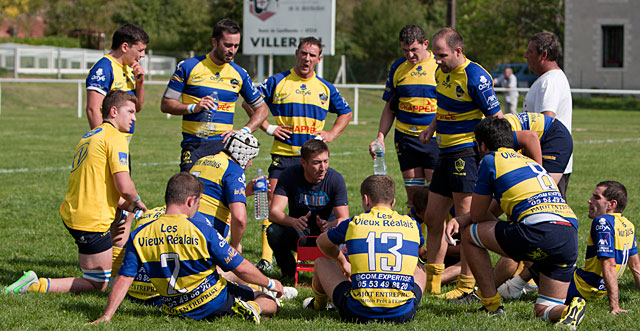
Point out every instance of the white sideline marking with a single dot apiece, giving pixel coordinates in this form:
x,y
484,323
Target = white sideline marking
x,y
623,140
150,164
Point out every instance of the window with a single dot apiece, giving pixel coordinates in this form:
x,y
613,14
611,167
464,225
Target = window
x,y
612,46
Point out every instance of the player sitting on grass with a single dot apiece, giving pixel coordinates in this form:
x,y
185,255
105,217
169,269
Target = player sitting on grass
x,y
543,228
99,178
387,281
179,252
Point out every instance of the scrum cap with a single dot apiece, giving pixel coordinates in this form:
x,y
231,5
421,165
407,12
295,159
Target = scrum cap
x,y
242,147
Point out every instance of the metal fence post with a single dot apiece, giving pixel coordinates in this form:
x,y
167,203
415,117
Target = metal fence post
x,y
356,100
79,99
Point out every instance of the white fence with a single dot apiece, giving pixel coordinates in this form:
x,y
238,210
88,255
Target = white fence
x,y
58,60
80,83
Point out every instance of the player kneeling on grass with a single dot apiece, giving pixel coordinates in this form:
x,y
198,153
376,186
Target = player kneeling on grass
x,y
180,252
98,183
543,228
387,281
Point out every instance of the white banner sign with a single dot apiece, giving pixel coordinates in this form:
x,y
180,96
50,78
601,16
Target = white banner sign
x,y
276,26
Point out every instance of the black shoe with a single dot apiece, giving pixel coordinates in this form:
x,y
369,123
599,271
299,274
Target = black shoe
x,y
465,299
264,265
574,315
497,312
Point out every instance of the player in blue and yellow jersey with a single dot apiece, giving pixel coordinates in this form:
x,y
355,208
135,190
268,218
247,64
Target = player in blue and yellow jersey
x,y
118,70
204,89
180,252
539,134
410,95
299,101
98,180
224,197
465,95
386,279
542,228
611,246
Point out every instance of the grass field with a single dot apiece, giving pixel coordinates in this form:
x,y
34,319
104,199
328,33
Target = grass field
x,y
39,130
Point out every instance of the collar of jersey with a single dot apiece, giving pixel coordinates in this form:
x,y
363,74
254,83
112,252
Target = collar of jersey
x,y
293,72
213,63
113,60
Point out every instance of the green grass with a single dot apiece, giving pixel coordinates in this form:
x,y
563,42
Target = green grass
x,y
38,133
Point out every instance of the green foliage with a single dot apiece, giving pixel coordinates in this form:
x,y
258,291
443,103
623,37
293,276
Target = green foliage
x,y
64,16
39,135
48,41
499,31
376,24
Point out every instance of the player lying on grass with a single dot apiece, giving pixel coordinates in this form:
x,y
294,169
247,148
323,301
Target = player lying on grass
x,y
386,281
180,252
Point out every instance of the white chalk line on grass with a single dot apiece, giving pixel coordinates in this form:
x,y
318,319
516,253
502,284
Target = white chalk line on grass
x,y
136,165
607,141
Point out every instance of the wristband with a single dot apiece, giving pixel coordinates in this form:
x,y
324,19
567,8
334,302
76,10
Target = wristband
x,y
136,200
272,285
191,108
246,129
271,129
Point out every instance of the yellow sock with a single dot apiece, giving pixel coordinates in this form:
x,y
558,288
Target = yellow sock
x,y
434,277
42,286
491,304
267,253
118,256
321,300
256,306
465,285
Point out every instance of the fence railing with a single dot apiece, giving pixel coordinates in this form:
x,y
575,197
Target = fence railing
x,y
80,83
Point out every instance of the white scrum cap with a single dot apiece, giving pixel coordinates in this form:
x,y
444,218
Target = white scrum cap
x,y
242,147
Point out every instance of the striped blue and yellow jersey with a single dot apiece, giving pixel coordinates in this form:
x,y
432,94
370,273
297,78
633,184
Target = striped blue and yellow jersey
x,y
142,288
521,186
198,77
107,74
539,123
383,251
612,236
180,256
303,105
224,183
92,197
465,96
415,87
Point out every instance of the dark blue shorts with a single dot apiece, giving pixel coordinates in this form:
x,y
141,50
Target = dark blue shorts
x,y
414,154
342,292
90,242
234,290
557,146
279,163
455,175
553,248
193,151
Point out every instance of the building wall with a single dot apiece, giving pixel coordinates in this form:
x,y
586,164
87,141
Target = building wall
x,y
583,43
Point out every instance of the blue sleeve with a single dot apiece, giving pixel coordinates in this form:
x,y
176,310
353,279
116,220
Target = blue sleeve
x,y
634,249
234,185
480,87
180,77
338,234
267,87
221,253
516,145
131,262
338,105
486,176
339,191
100,77
603,236
389,88
248,91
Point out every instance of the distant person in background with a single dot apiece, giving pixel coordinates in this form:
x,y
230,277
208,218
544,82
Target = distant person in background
x,y
550,94
510,81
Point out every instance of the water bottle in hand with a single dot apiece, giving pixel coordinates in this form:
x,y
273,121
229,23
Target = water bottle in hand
x,y
261,204
379,165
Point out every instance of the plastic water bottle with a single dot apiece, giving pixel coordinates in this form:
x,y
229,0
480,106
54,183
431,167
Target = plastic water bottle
x,y
207,127
379,166
261,204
